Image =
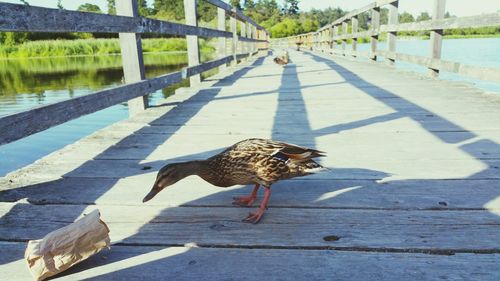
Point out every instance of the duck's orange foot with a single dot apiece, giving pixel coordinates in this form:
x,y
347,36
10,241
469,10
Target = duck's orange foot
x,y
244,201
254,217
247,200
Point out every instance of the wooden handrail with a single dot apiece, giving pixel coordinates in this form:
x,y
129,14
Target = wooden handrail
x,y
323,37
22,18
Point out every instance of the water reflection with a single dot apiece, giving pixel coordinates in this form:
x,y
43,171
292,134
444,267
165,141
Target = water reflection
x,y
25,83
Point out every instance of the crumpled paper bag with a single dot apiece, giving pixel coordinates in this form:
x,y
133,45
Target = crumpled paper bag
x,y
67,246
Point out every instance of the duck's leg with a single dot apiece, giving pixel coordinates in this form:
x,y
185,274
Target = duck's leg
x,y
247,200
254,217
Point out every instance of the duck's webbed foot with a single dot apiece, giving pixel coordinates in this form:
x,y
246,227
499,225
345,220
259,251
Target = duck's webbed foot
x,y
246,200
254,217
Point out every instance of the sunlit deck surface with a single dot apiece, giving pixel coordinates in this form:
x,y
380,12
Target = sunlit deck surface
x,y
413,192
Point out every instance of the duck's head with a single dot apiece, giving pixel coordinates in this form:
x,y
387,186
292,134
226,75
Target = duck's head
x,y
167,176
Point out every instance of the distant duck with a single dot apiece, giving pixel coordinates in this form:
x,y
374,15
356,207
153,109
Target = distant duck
x,y
252,161
282,60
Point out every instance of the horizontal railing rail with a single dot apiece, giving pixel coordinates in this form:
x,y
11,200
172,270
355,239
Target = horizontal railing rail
x,y
21,124
327,37
129,25
14,17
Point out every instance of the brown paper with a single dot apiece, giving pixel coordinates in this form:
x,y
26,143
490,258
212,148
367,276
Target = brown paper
x,y
67,246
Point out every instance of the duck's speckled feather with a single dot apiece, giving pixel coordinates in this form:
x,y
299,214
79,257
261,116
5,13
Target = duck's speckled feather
x,y
260,161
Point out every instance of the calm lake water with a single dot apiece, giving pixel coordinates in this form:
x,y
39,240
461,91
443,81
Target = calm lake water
x,y
30,82
26,83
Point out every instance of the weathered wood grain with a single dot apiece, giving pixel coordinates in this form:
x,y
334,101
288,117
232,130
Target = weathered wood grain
x,y
191,263
131,52
281,227
25,123
478,72
193,49
483,20
303,192
37,19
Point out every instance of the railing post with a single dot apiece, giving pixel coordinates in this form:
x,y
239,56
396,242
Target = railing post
x,y
335,33
354,22
221,25
242,34
391,36
375,28
249,35
234,42
437,35
192,40
344,40
254,32
330,39
132,60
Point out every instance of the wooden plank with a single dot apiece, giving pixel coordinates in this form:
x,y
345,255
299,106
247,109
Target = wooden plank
x,y
221,46
193,48
221,226
37,19
234,41
196,70
192,263
354,22
25,123
131,51
18,125
374,38
392,36
304,193
478,72
437,35
344,42
484,20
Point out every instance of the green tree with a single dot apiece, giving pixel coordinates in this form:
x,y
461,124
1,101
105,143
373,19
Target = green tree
x,y
291,7
169,9
286,27
236,4
406,17
111,7
423,16
309,25
59,5
87,7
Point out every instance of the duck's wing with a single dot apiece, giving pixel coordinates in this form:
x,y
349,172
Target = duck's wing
x,y
300,153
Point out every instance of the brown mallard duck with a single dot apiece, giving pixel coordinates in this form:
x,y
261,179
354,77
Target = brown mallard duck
x,y
252,161
281,60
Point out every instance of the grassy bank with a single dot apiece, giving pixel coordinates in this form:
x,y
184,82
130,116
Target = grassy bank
x,y
84,47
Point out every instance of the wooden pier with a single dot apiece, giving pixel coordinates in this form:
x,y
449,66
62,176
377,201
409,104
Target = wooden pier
x,y
413,190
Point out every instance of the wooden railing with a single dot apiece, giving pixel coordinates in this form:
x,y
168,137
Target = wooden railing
x,y
326,38
130,26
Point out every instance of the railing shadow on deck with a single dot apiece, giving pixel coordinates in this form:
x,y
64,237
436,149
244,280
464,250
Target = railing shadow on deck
x,y
281,122
418,114
289,186
159,257
203,97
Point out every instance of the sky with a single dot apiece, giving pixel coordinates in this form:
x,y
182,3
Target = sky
x,y
455,7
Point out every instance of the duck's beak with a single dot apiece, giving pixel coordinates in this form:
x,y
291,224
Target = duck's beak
x,y
150,195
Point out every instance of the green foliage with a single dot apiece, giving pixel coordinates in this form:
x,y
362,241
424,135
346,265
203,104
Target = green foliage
x,y
54,48
87,7
236,4
406,17
291,7
286,27
111,7
423,16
